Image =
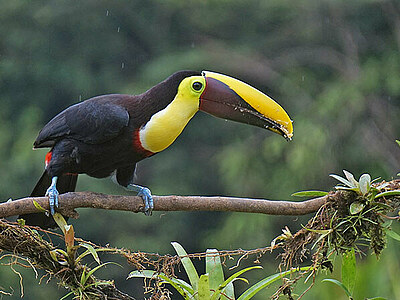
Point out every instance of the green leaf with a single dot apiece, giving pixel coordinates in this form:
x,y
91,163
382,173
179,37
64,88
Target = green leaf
x,y
59,219
230,280
188,265
350,177
376,298
398,142
320,231
382,205
204,287
38,207
286,235
310,194
229,291
388,193
339,187
349,269
67,295
393,235
356,207
142,274
63,256
53,254
339,284
250,292
365,184
181,286
342,180
95,269
323,233
83,277
214,268
90,250
216,273
21,222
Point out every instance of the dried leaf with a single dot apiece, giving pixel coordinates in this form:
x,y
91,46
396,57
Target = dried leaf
x,y
69,236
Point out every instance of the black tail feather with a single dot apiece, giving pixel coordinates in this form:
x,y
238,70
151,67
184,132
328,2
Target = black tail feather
x,y
65,183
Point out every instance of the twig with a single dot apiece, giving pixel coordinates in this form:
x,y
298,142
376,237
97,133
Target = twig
x,y
70,201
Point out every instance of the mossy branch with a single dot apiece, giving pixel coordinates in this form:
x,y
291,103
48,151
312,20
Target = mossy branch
x,y
70,201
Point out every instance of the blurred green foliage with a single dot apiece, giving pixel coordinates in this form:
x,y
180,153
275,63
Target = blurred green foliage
x,y
333,65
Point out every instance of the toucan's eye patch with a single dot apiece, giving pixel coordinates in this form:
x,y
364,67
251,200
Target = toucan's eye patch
x,y
197,86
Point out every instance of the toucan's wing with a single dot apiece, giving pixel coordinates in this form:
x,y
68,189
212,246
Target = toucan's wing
x,y
93,121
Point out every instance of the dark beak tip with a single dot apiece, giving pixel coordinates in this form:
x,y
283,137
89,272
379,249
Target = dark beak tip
x,y
288,139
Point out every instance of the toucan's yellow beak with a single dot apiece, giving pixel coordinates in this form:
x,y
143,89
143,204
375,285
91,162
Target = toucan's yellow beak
x,y
229,98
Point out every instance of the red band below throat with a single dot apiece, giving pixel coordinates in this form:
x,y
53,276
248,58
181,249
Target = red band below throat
x,y
47,159
137,145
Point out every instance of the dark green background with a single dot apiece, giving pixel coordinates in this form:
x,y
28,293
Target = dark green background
x,y
333,65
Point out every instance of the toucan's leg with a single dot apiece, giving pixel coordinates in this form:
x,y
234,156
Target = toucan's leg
x,y
52,193
145,193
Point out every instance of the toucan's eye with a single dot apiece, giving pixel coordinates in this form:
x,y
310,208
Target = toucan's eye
x,y
197,85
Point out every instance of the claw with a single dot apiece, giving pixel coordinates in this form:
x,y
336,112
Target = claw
x,y
52,193
145,193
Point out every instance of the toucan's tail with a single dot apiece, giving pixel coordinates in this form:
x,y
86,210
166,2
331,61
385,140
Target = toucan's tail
x,y
65,183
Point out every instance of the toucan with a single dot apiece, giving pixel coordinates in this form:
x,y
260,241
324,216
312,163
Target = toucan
x,y
107,135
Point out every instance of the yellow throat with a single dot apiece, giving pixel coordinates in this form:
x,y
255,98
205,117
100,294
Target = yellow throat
x,y
167,124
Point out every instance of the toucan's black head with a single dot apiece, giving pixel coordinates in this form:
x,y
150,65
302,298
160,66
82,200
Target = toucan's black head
x,y
168,88
164,93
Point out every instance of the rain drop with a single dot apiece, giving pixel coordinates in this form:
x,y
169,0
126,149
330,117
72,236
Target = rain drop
x,y
302,78
118,29
107,13
122,65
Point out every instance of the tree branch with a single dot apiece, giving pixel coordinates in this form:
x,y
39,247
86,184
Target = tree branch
x,y
70,201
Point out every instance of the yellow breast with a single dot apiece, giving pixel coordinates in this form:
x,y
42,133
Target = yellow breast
x,y
166,125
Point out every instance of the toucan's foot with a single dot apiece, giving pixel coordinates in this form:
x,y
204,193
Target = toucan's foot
x,y
52,193
145,193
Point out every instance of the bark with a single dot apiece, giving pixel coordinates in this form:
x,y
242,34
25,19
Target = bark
x,y
70,201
